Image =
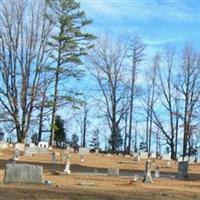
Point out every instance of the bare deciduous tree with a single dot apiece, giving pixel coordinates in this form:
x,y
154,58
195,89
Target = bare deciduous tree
x,y
23,55
108,59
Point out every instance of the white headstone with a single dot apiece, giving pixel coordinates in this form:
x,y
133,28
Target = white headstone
x,y
180,159
166,157
153,155
4,145
32,145
144,155
113,171
192,159
84,151
29,151
186,158
43,145
16,154
148,177
157,172
20,147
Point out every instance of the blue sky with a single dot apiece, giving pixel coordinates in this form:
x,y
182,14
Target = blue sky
x,y
158,22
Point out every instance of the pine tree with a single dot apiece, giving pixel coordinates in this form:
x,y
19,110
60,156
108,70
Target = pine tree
x,y
59,135
69,43
74,141
94,143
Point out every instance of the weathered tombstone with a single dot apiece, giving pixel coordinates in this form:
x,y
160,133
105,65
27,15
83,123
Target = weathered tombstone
x,y
153,155
144,155
192,160
180,159
148,177
127,156
20,147
16,154
67,165
43,144
135,178
166,157
186,158
157,172
168,163
53,157
136,157
4,145
43,147
53,160
113,171
109,155
32,145
23,173
84,151
82,158
29,151
50,148
182,170
97,151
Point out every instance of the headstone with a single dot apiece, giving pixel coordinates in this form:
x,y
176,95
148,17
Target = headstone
x,y
153,155
4,145
109,155
20,147
70,149
84,151
186,158
136,157
182,170
82,158
23,173
113,171
65,155
16,154
168,163
148,177
32,145
11,145
53,157
180,159
127,156
166,157
43,144
96,151
157,172
50,148
192,160
135,178
42,150
67,167
144,155
29,151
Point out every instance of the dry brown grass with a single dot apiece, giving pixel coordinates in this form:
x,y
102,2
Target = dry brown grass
x,y
105,187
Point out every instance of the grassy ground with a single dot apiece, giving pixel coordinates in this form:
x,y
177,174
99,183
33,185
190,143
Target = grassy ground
x,y
100,187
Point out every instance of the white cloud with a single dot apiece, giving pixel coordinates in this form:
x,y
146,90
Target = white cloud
x,y
143,10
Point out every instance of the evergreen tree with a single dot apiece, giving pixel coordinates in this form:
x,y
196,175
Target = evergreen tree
x,y
95,140
59,135
74,141
69,43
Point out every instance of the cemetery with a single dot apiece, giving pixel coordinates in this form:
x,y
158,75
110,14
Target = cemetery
x,y
62,173
99,100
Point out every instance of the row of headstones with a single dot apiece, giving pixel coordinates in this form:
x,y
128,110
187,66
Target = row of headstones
x,y
145,156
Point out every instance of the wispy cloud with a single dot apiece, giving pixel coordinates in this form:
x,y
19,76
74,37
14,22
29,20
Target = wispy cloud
x,y
145,10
